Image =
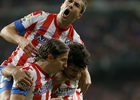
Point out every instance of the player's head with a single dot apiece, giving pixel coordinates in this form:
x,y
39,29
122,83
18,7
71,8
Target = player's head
x,y
72,9
83,6
78,59
55,53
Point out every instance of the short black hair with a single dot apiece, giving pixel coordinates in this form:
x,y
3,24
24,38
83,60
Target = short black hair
x,y
78,55
52,46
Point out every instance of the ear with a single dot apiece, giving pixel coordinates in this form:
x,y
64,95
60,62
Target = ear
x,y
50,57
79,16
61,5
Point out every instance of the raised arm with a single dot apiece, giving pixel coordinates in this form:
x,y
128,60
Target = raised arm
x,y
10,33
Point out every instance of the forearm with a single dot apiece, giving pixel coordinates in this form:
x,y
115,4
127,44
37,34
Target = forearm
x,y
10,34
85,72
9,70
17,97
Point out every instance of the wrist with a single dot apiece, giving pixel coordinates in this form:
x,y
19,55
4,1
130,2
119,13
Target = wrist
x,y
18,40
14,71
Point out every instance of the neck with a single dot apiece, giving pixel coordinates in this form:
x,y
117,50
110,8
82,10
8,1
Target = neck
x,y
62,24
43,65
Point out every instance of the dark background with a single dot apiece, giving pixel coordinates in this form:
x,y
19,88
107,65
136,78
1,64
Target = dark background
x,y
110,30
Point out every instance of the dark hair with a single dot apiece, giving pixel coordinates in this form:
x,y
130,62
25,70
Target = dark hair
x,y
78,55
52,46
84,6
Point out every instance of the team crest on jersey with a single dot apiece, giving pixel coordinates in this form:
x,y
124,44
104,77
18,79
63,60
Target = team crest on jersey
x,y
43,89
41,39
68,41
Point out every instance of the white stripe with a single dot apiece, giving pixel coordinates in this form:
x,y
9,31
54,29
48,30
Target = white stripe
x,y
50,31
64,35
16,58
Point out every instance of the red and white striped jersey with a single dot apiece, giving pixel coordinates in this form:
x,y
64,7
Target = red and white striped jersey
x,y
77,95
67,90
41,87
39,27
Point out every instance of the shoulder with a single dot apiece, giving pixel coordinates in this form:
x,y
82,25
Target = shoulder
x,y
77,38
30,68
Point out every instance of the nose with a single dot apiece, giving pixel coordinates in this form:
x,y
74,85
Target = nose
x,y
65,64
71,5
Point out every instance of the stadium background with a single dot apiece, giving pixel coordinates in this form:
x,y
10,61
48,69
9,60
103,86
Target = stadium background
x,y
111,32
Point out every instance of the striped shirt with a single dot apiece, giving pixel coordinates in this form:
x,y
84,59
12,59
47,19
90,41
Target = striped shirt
x,y
66,90
39,27
41,87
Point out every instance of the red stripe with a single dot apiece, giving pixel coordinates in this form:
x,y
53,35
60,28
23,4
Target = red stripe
x,y
53,94
67,83
57,34
38,97
45,25
71,33
30,29
39,12
77,93
10,59
58,31
43,28
47,95
22,60
66,98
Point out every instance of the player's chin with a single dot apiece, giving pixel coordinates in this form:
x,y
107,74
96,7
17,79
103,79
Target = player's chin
x,y
72,77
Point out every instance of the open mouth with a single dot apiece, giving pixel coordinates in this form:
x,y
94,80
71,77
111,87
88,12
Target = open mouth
x,y
66,13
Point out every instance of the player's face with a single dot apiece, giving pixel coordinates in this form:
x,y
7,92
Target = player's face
x,y
59,63
70,10
73,72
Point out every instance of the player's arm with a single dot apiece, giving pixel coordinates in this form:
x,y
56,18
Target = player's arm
x,y
10,33
59,78
85,81
22,77
17,97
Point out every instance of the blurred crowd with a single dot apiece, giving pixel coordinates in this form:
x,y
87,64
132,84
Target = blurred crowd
x,y
123,91
112,37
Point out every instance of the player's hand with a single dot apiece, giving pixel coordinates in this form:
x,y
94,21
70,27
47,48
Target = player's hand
x,y
84,82
27,47
58,78
59,98
22,78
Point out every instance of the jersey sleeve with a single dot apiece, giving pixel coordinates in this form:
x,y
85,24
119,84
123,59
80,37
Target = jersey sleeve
x,y
76,38
29,22
16,89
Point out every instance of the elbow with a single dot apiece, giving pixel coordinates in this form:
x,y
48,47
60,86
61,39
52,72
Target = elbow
x,y
3,31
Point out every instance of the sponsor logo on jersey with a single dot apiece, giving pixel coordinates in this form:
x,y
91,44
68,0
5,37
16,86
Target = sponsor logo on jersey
x,y
63,91
43,89
68,41
43,28
41,39
37,82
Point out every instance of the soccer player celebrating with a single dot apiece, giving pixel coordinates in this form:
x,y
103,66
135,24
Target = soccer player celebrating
x,y
51,57
78,59
39,27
